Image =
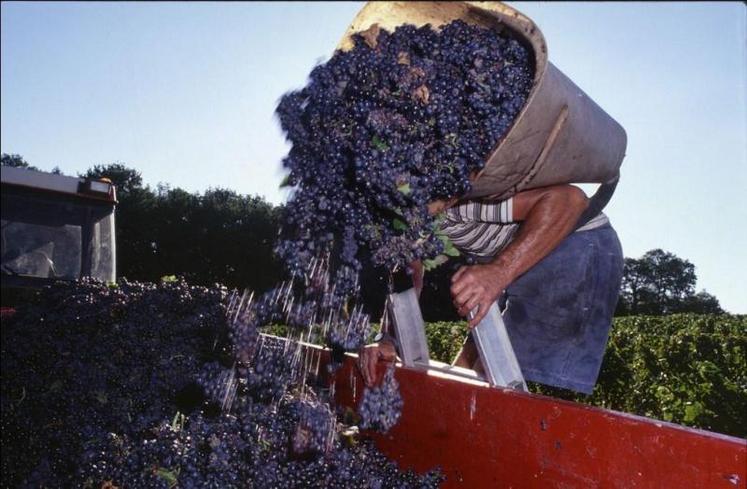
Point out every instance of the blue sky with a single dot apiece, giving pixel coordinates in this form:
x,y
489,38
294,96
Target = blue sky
x,y
185,93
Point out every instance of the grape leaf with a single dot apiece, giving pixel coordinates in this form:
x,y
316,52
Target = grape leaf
x,y
435,262
405,188
399,225
286,182
167,475
450,249
379,143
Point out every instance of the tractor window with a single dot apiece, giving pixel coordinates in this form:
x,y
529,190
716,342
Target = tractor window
x,y
42,238
37,250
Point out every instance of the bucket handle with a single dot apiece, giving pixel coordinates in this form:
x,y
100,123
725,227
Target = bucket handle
x,y
598,201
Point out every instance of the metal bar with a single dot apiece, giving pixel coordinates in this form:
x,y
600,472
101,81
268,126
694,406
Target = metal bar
x,y
409,327
497,354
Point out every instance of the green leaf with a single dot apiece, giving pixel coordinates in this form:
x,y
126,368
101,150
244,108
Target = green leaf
x,y
405,188
379,143
399,225
435,262
167,475
451,250
168,279
285,182
692,412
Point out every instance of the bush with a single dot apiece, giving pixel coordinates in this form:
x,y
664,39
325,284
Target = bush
x,y
445,339
684,368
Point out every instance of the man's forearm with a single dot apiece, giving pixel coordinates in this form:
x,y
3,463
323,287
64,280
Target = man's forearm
x,y
549,215
547,220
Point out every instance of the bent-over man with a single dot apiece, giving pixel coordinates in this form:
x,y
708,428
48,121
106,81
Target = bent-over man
x,y
556,285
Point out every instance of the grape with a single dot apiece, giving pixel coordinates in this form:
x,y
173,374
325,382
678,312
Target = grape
x,y
126,386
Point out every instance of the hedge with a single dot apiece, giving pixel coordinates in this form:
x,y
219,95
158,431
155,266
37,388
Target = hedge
x,y
689,369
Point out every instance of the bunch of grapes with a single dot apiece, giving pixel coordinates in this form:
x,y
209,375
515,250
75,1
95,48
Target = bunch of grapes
x,y
218,382
381,406
86,359
315,429
350,334
379,131
270,373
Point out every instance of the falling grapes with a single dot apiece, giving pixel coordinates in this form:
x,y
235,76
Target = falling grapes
x,y
401,119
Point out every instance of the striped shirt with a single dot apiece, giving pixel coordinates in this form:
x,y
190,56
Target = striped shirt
x,y
483,229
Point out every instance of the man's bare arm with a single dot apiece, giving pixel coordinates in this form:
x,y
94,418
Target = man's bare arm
x,y
549,214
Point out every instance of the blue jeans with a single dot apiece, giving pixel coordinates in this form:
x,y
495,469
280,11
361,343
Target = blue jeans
x,y
558,314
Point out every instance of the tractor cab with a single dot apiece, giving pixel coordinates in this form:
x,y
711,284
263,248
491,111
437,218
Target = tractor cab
x,y
55,227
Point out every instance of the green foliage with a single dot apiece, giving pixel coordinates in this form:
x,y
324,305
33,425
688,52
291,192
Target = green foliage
x,y
128,182
662,283
445,339
689,369
684,368
15,161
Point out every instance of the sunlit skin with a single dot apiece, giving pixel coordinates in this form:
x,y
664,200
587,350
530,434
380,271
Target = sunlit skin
x,y
547,214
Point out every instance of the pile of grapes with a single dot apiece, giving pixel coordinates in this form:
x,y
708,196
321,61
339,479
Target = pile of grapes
x,y
139,385
401,119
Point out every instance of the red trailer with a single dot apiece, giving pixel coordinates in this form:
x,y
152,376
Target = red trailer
x,y
487,437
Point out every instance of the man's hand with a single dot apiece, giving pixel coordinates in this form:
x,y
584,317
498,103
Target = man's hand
x,y
369,357
548,215
477,286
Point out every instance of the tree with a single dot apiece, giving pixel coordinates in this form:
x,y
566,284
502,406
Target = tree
x,y
15,161
127,180
702,302
661,283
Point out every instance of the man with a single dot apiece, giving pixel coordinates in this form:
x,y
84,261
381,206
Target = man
x,y
557,285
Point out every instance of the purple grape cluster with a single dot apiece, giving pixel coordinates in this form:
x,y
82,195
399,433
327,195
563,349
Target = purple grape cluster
x,y
218,382
379,131
270,372
315,430
381,406
139,385
351,333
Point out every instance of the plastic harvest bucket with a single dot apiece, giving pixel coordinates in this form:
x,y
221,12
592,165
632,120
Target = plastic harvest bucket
x,y
560,136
